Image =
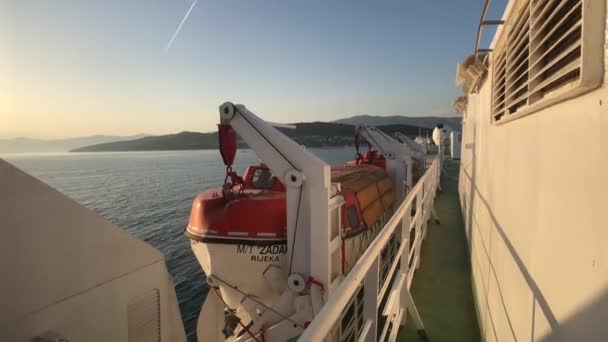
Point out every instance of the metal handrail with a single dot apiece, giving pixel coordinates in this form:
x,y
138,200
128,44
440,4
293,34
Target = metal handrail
x,y
483,22
324,322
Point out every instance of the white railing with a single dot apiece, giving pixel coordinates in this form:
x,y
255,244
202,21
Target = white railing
x,y
382,276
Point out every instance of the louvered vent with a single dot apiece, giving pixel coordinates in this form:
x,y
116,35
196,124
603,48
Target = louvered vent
x,y
499,85
556,45
540,54
518,44
143,314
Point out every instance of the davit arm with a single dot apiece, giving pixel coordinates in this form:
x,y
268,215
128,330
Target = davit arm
x,y
307,180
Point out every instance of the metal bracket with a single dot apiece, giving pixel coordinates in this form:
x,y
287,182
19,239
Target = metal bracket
x,y
413,310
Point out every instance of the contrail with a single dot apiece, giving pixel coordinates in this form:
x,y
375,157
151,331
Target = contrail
x,y
180,26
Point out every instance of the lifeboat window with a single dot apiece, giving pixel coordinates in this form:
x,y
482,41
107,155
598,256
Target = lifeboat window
x,y
353,218
262,179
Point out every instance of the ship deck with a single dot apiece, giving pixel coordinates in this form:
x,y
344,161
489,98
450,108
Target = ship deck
x,y
442,285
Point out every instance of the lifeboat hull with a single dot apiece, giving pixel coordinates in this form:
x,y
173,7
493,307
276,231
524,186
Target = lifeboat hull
x,y
255,269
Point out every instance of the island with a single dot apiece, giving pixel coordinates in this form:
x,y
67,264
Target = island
x,y
311,134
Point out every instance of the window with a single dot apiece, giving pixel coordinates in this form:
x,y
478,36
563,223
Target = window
x,y
353,217
548,51
262,179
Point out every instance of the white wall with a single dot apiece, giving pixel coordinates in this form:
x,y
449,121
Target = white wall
x,y
67,271
534,194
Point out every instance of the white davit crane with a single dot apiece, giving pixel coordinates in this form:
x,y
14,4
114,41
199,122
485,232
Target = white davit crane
x,y
398,158
309,218
417,149
306,177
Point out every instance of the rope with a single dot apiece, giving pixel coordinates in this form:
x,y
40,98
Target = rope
x,y
246,328
257,301
295,233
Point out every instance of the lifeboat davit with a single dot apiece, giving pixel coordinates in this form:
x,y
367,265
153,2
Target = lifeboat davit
x,y
238,234
238,231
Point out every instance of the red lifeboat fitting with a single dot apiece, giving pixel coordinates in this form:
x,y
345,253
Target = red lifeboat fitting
x,y
254,214
248,210
371,156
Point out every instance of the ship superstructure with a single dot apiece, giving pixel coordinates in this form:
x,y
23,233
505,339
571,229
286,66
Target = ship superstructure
x,y
533,172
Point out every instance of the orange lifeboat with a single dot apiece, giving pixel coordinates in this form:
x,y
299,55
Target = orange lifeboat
x,y
253,215
256,214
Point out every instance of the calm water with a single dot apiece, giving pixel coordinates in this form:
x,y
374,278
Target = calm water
x,y
149,195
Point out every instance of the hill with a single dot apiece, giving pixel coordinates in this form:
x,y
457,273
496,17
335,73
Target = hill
x,y
311,134
30,145
420,121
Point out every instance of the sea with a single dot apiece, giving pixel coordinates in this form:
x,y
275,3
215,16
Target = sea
x,y
149,195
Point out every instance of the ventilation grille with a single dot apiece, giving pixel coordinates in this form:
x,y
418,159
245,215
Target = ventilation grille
x,y
518,43
556,45
539,54
143,313
500,67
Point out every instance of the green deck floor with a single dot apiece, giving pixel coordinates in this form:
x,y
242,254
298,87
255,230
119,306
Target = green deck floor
x,y
442,284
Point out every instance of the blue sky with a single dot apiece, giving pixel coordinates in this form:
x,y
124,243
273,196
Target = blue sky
x,y
100,67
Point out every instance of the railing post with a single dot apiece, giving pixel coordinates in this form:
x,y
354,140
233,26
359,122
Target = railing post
x,y
419,219
437,174
370,304
319,240
425,207
406,223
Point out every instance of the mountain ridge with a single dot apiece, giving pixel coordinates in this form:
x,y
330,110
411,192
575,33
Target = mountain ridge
x,y
420,121
33,145
310,134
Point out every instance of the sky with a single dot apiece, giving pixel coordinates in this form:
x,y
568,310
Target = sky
x,y
77,68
